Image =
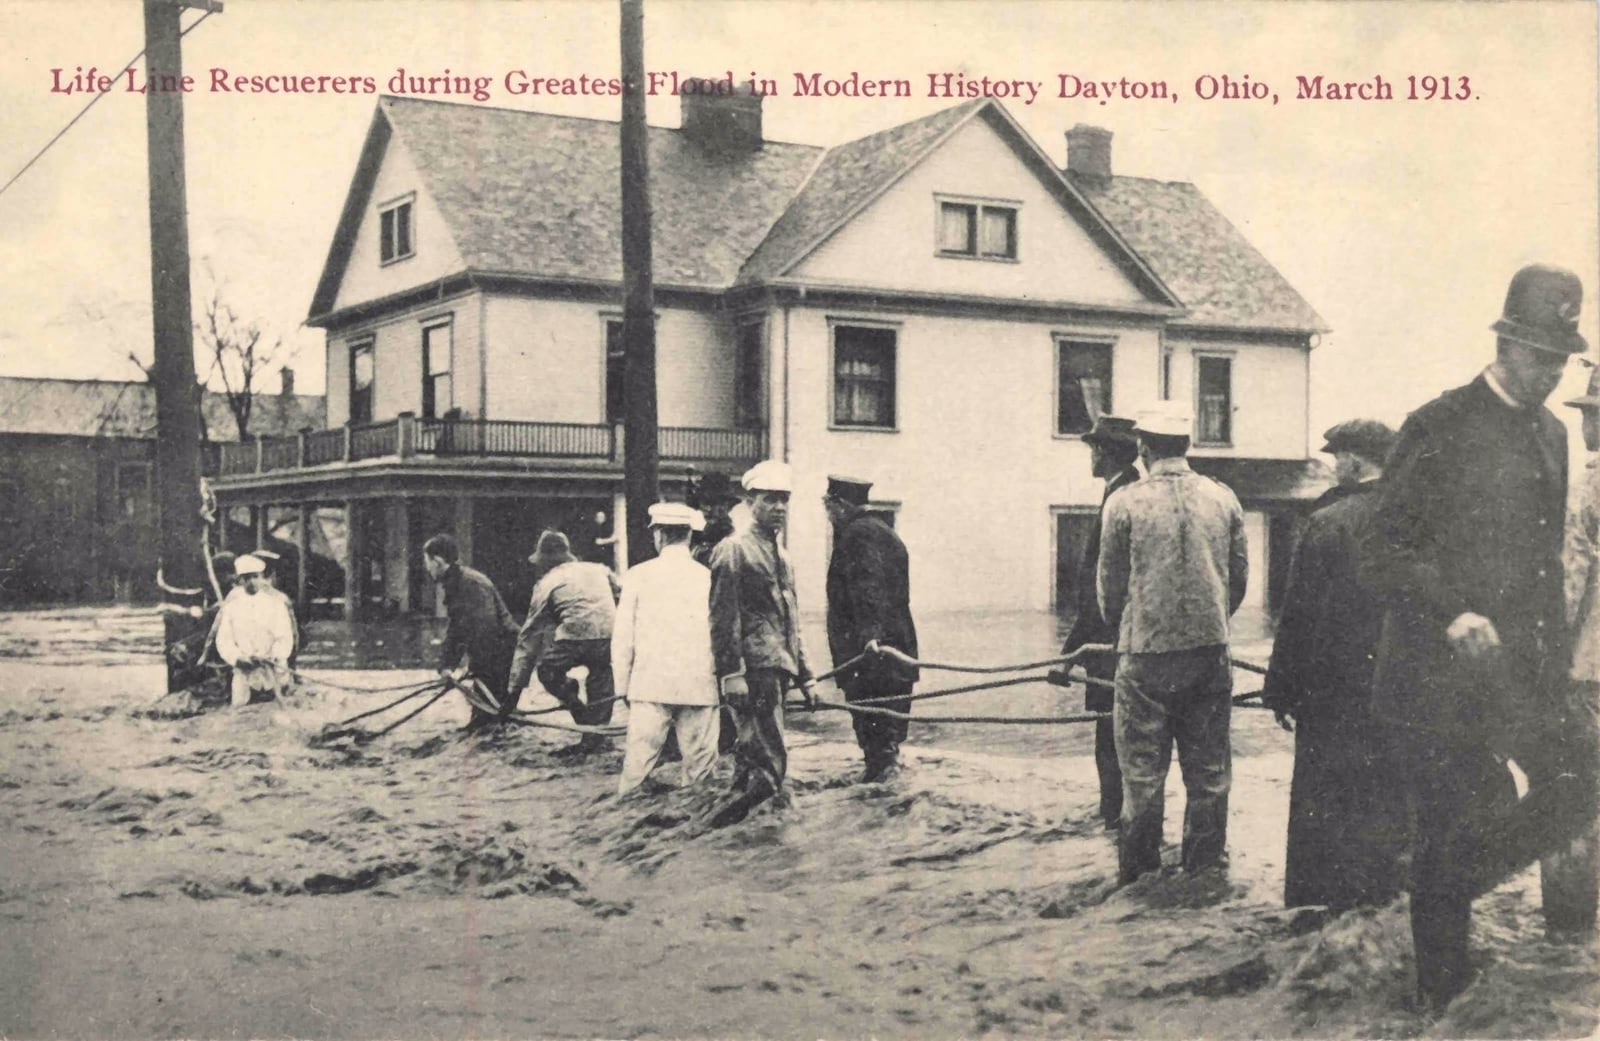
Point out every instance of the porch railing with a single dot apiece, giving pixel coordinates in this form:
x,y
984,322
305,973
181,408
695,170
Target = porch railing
x,y
408,436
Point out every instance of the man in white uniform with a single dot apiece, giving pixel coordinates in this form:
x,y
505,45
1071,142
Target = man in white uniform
x,y
661,652
255,634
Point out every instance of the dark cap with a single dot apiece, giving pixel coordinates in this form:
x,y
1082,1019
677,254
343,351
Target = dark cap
x,y
852,490
1542,306
716,487
1112,430
1368,438
554,548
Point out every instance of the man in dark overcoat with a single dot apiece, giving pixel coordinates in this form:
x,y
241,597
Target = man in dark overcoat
x,y
480,634
1113,450
869,608
1346,804
1466,553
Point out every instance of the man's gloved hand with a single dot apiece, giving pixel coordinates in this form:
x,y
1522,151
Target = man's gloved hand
x,y
873,648
735,692
1281,710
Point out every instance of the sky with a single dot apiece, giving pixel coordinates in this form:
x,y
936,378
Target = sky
x,y
1401,221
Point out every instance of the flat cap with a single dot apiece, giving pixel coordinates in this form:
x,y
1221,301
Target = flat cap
x,y
1367,438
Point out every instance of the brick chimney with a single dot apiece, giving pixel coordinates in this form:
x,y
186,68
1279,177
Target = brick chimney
x,y
286,377
1089,151
720,117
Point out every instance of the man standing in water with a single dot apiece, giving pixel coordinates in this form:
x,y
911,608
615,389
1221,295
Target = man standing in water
x,y
755,638
480,634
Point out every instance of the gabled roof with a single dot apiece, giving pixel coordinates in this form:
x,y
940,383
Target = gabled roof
x,y
118,408
536,194
1221,278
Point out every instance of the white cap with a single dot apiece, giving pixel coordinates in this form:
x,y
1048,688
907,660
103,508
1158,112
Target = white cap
x,y
1165,418
248,565
676,515
768,476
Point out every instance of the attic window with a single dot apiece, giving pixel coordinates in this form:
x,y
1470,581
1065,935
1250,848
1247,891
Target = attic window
x,y
984,230
395,240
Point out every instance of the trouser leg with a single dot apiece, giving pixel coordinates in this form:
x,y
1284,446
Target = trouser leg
x,y
879,737
648,727
697,728
1205,759
1101,699
239,690
565,655
761,755
1570,874
601,685
1144,751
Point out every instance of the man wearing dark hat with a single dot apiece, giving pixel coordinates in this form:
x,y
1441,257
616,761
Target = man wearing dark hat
x,y
1113,450
869,610
1465,552
1346,804
715,496
570,618
480,633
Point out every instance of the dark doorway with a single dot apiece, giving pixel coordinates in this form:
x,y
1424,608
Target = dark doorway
x,y
1073,529
506,531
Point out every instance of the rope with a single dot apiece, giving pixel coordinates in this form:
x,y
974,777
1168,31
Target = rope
x,y
1248,666
425,688
410,715
574,728
947,691
301,677
905,659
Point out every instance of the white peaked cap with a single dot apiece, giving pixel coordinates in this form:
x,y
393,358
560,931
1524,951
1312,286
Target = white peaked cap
x,y
1167,418
248,565
676,514
768,476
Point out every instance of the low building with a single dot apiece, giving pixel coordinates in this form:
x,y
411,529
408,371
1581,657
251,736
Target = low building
x,y
939,307
77,489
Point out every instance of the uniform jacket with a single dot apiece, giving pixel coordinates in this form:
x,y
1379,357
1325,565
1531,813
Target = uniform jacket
x,y
755,616
1173,562
869,597
572,601
1328,632
1089,626
256,626
661,648
480,625
1583,577
1471,520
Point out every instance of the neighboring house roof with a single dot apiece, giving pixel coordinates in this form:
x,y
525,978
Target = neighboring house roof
x,y
1221,278
117,408
1267,480
535,195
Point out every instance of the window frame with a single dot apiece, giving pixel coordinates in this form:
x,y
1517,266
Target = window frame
x,y
978,208
430,404
1061,340
607,320
369,344
1199,358
834,422
756,416
388,229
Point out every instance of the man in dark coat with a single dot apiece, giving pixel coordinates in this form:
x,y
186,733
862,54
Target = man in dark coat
x,y
1113,450
1346,805
869,608
481,635
1466,553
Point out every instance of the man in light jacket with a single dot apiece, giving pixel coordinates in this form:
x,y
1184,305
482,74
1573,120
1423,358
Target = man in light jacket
x,y
255,634
661,653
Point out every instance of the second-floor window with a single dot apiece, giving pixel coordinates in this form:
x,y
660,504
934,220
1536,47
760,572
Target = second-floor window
x,y
1214,400
394,231
1083,384
864,376
361,382
749,375
616,371
436,357
978,229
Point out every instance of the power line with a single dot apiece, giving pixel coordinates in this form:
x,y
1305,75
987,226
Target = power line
x,y
85,110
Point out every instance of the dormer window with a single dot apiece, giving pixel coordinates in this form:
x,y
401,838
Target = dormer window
x,y
979,229
395,240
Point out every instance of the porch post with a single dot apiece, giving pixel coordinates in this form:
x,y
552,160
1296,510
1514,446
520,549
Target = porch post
x,y
464,529
408,548
354,558
303,567
619,529
405,435
258,521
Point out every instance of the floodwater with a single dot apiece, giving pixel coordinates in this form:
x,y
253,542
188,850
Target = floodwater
x,y
217,875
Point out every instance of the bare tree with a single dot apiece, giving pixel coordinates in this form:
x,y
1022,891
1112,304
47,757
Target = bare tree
x,y
235,353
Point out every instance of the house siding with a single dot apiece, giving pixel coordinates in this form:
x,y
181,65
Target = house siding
x,y
435,256
397,360
1269,395
975,462
892,241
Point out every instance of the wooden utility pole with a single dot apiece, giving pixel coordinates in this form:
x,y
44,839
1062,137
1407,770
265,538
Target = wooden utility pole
x,y
177,404
640,459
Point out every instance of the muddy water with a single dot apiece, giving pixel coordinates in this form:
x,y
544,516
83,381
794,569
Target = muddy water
x,y
217,876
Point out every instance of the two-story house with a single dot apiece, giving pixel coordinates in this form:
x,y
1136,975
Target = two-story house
x,y
937,307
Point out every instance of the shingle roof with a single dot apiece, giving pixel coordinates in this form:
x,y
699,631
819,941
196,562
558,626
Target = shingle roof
x,y
847,177
1198,252
114,408
528,192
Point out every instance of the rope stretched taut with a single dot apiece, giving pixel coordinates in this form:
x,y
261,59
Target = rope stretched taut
x,y
1249,666
906,659
302,677
414,713
424,689
947,691
861,709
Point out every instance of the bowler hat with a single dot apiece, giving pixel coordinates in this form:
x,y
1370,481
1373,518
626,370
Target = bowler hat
x,y
852,490
1542,306
1367,438
553,549
1592,398
1111,430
